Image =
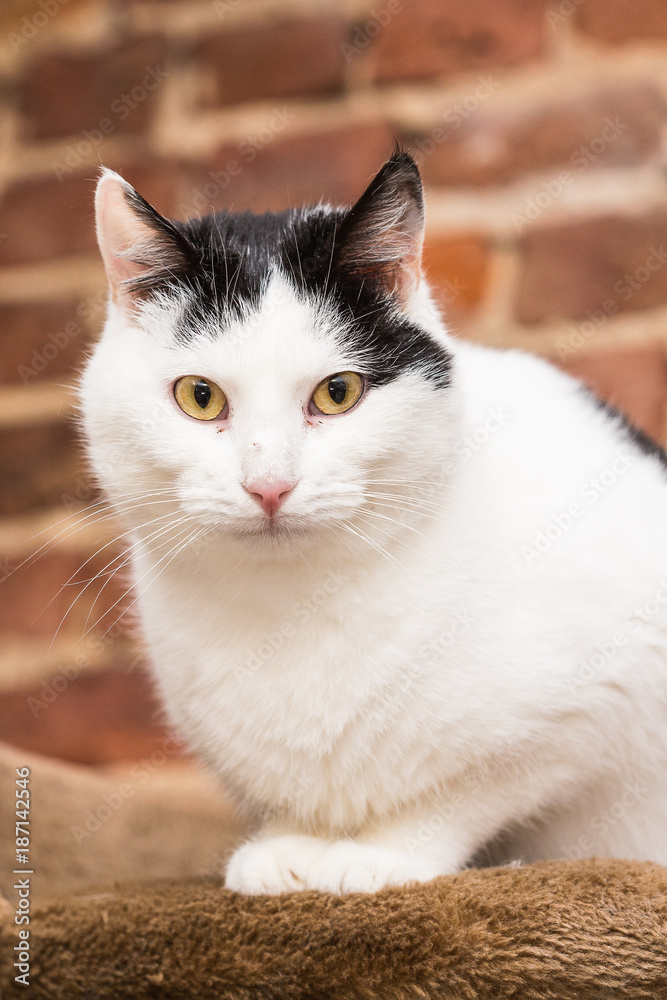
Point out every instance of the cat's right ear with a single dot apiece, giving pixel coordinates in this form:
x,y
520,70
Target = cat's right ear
x,y
141,250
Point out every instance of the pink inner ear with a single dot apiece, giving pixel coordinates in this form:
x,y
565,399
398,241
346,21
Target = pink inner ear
x,y
400,270
407,238
119,231
409,272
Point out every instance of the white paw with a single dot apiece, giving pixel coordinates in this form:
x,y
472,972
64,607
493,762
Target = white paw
x,y
274,865
347,866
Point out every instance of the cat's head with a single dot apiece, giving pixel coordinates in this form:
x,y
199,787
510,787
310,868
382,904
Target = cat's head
x,y
275,376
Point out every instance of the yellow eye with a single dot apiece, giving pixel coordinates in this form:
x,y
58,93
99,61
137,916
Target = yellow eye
x,y
199,397
337,393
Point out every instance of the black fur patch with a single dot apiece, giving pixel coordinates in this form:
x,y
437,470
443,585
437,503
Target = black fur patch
x,y
638,437
225,260
368,313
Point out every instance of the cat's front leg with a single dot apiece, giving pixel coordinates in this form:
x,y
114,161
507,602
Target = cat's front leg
x,y
354,866
284,862
292,862
382,854
389,853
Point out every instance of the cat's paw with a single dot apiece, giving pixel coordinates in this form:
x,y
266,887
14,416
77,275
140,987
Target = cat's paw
x,y
347,866
274,864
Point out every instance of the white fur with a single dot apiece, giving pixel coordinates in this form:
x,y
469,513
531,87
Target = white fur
x,y
385,706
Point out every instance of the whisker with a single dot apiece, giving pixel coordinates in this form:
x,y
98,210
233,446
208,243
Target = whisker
x,y
152,537
105,514
429,483
361,534
369,515
298,257
385,517
414,503
331,260
104,502
434,559
80,594
175,550
94,556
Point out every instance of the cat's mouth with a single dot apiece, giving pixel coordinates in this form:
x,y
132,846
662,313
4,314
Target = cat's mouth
x,y
282,529
271,527
230,519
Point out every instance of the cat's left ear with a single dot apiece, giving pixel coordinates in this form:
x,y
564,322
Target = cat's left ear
x,y
381,237
141,249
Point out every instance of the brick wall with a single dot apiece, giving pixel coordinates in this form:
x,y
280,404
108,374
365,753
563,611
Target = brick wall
x,y
541,131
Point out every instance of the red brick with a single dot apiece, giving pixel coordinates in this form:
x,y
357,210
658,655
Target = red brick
x,y
274,60
41,340
622,20
45,218
335,166
634,379
166,184
96,718
430,38
103,93
596,266
457,269
69,202
474,144
40,464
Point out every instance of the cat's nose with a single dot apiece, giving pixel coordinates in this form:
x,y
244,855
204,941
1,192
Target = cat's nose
x,y
270,496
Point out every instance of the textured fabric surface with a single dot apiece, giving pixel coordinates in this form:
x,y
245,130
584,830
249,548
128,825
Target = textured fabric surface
x,y
571,931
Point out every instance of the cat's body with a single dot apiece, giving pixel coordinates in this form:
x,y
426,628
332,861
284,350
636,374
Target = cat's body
x,y
490,659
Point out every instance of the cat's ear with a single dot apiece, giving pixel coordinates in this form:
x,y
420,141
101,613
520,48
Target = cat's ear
x,y
381,237
141,250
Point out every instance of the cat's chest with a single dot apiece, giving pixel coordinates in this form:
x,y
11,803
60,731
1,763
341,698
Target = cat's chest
x,y
293,699
297,674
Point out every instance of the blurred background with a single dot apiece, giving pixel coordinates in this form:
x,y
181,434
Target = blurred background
x,y
541,131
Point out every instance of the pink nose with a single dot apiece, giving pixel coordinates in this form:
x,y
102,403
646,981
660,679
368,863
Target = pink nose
x,y
270,496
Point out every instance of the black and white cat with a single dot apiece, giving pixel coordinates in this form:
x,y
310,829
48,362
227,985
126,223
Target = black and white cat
x,y
405,594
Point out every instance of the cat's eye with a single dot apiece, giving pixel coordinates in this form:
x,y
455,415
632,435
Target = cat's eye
x,y
337,393
199,397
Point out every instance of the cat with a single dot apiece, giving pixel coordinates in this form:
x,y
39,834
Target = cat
x,y
405,594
